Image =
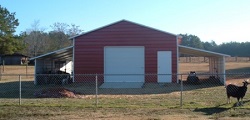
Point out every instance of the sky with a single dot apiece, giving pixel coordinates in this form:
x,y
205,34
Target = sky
x,y
219,20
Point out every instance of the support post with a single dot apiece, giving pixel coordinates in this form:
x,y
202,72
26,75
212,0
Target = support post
x,y
96,91
20,89
181,103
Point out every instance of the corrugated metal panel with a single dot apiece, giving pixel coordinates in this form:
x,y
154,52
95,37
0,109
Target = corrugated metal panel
x,y
199,52
89,48
62,54
117,28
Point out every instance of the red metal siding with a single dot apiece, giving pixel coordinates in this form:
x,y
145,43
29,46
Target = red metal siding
x,y
89,48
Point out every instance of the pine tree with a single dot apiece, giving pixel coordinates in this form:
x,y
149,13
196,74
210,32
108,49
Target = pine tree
x,y
8,23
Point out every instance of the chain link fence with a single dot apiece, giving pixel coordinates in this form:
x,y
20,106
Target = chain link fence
x,y
92,90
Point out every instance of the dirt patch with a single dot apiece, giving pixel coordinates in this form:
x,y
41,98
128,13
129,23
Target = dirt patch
x,y
58,92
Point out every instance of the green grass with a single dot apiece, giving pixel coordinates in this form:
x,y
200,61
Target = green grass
x,y
208,100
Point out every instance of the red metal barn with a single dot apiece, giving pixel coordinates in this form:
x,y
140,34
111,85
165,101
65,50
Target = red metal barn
x,y
125,51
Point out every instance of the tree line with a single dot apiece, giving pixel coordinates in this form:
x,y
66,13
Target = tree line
x,y
36,41
240,49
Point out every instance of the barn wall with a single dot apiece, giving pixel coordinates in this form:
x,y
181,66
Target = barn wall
x,y
89,48
12,60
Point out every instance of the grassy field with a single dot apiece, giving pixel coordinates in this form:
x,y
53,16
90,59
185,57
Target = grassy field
x,y
151,102
205,103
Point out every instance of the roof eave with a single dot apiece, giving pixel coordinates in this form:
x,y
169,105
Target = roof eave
x,y
71,38
51,53
209,52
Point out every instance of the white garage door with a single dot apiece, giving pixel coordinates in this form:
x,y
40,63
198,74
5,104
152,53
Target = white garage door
x,y
124,64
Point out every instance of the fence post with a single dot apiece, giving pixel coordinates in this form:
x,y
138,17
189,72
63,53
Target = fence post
x,y
0,73
20,89
96,91
181,91
3,66
26,69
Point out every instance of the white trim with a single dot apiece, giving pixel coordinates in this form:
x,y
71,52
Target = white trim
x,y
95,29
121,21
224,71
177,59
150,27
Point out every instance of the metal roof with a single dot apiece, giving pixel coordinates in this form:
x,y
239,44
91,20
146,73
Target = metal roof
x,y
199,52
61,54
119,22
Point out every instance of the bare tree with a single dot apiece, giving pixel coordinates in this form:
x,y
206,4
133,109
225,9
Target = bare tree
x,y
74,30
59,40
36,40
37,43
69,30
60,27
35,26
40,42
59,35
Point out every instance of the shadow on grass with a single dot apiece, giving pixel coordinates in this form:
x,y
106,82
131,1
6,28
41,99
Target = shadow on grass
x,y
244,102
211,110
218,109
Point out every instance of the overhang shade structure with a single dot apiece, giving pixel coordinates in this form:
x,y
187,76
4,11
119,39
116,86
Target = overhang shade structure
x,y
52,62
216,60
61,54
